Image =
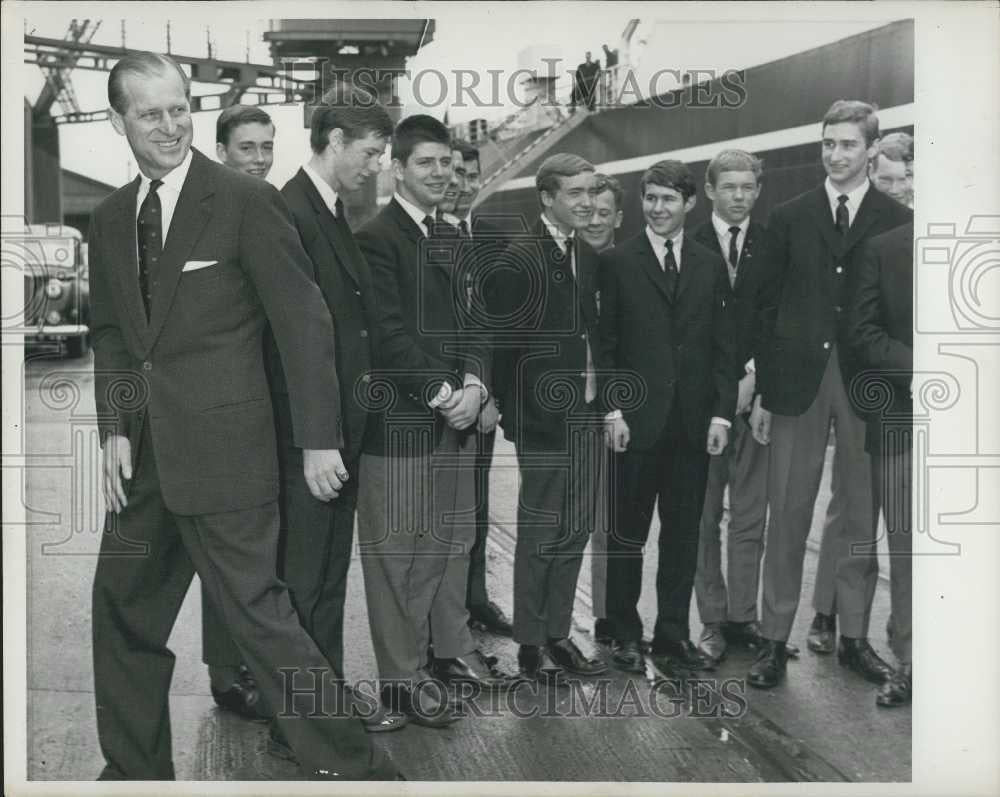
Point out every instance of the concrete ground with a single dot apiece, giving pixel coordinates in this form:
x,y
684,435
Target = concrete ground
x,y
821,725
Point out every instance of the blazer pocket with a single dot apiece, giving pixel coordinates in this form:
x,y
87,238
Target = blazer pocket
x,y
234,406
197,265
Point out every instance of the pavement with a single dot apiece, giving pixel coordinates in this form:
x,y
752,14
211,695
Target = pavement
x,y
820,725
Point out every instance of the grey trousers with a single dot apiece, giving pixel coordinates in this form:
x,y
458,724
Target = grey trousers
x,y
893,479
743,466
798,447
416,525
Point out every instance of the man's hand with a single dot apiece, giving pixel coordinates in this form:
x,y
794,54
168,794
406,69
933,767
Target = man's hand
x,y
718,438
324,471
462,411
616,434
760,423
488,417
745,397
117,466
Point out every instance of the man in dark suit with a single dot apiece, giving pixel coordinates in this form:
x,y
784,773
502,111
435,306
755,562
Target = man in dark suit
x,y
728,606
417,464
542,302
881,332
244,140
663,320
188,263
487,241
804,367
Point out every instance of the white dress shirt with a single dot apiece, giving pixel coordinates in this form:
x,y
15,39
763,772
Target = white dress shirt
x,y
562,241
326,192
721,228
853,199
415,213
168,193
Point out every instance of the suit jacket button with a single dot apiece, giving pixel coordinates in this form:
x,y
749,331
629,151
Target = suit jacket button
x,y
826,344
357,293
840,269
366,378
147,366
364,333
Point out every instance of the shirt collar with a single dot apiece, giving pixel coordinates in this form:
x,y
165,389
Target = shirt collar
x,y
722,227
326,192
174,179
659,243
414,212
557,235
853,197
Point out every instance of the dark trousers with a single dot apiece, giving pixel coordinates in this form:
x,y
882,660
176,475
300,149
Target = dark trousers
x,y
148,557
893,477
315,555
476,594
555,518
675,470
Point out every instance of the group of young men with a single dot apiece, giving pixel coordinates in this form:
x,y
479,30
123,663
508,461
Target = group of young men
x,y
265,377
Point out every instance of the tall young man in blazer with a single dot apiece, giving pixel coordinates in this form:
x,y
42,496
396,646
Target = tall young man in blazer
x,y
804,370
542,301
728,605
663,320
189,262
416,466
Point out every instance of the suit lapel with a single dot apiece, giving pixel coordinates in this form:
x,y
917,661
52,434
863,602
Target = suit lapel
x,y
192,213
651,265
689,269
125,263
823,217
866,216
328,223
754,235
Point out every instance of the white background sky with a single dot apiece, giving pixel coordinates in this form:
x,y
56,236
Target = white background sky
x,y
468,35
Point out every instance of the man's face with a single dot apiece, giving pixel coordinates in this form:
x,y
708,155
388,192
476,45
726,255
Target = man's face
x,y
571,206
156,122
845,154
665,209
424,177
606,218
250,149
894,178
456,185
587,56
472,186
357,160
733,195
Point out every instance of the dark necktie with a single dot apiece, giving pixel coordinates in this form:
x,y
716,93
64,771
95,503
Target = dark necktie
x,y
670,268
149,234
429,224
463,229
843,217
734,253
338,209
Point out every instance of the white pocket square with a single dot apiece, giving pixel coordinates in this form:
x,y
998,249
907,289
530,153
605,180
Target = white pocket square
x,y
194,265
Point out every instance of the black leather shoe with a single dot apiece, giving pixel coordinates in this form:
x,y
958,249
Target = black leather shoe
x,y
682,654
898,690
628,657
477,668
242,698
602,632
822,633
768,669
535,664
372,714
712,643
567,655
427,705
277,744
490,618
858,655
748,635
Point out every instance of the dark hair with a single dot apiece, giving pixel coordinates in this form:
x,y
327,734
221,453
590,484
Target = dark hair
x,y
669,174
143,64
604,182
896,147
236,115
417,129
469,152
351,109
733,160
860,113
557,166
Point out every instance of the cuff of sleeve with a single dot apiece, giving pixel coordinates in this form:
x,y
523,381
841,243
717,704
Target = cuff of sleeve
x,y
473,380
614,415
750,367
721,422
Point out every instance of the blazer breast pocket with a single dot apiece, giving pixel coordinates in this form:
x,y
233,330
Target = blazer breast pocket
x,y
198,265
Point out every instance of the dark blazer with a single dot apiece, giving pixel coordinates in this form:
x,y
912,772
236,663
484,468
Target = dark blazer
x,y
881,328
742,304
542,317
344,278
418,341
197,366
677,350
806,292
